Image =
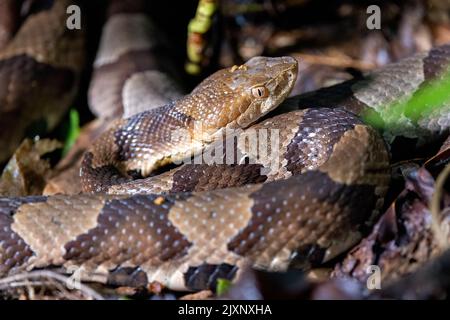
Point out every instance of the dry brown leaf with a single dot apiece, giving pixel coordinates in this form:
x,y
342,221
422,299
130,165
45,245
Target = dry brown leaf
x,y
27,172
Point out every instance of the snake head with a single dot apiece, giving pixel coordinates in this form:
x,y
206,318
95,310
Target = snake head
x,y
238,96
262,83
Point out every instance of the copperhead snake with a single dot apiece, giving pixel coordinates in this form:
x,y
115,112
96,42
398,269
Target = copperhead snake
x,y
199,222
40,70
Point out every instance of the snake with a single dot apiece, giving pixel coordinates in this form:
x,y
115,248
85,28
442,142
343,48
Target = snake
x,y
40,68
305,199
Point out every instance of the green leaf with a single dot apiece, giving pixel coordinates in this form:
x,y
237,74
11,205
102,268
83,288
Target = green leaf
x,y
73,131
426,100
223,285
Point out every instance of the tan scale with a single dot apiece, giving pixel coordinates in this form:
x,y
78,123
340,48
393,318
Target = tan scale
x,y
218,216
48,226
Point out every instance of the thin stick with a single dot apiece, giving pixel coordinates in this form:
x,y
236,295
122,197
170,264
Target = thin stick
x,y
22,278
334,61
435,209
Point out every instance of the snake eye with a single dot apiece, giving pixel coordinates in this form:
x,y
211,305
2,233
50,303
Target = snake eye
x,y
260,92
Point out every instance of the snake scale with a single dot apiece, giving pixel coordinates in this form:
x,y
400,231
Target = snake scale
x,y
306,201
39,70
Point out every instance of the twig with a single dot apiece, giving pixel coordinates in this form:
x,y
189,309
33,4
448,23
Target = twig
x,y
23,279
341,62
435,209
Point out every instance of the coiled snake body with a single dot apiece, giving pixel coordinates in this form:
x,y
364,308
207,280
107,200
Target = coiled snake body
x,y
301,204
